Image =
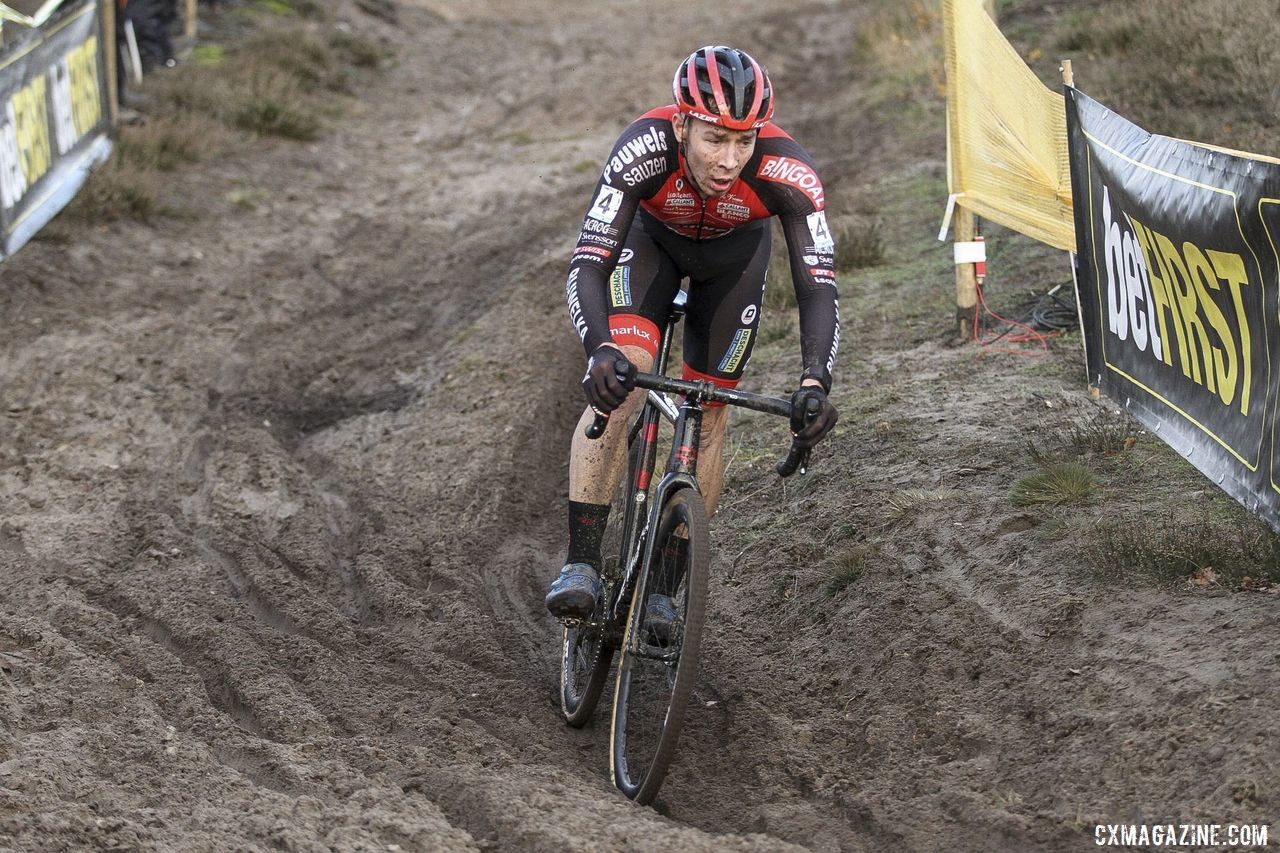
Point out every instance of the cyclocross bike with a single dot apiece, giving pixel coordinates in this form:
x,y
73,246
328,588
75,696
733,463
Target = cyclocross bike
x,y
656,544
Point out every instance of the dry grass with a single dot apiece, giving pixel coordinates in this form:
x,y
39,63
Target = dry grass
x,y
120,190
278,72
1204,71
164,145
1197,553
859,245
1055,484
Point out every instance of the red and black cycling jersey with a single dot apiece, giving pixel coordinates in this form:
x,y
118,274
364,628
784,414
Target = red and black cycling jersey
x,y
647,170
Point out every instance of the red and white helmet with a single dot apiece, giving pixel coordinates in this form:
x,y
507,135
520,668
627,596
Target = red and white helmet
x,y
724,86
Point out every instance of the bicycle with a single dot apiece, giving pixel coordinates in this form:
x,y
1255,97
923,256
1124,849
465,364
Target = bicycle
x,y
648,523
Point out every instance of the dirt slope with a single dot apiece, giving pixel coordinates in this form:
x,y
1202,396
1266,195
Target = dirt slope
x,y
281,490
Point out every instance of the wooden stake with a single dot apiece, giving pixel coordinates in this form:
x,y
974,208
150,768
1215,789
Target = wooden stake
x,y
966,227
966,230
189,25
111,52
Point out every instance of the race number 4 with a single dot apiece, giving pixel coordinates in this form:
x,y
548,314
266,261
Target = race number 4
x,y
822,241
606,204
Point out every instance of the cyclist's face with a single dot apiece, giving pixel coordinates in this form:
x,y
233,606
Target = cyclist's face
x,y
715,155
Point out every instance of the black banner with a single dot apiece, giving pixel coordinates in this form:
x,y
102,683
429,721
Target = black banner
x,y
1177,272
55,120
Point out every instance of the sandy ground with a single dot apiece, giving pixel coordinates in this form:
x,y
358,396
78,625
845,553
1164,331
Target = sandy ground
x,y
281,489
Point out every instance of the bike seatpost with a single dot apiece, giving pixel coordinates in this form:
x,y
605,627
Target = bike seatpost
x,y
624,370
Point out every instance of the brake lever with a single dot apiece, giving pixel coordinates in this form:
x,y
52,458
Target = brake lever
x,y
596,428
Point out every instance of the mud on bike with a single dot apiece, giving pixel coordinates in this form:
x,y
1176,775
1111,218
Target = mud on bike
x,y
656,544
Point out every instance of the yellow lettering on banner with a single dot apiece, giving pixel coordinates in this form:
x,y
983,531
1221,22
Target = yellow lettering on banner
x,y
31,123
1184,292
1230,268
1183,296
86,90
1222,377
1164,303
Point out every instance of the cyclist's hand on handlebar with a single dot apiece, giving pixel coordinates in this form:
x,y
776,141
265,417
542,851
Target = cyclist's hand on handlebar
x,y
812,415
609,377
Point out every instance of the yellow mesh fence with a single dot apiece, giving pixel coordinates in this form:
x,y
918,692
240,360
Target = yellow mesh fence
x,y
1006,132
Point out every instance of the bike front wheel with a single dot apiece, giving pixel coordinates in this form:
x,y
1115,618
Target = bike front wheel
x,y
660,649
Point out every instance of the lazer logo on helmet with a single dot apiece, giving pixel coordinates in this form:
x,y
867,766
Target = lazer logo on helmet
x,y
705,117
785,170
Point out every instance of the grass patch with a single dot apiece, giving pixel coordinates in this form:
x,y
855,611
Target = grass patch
x,y
1055,484
272,107
844,571
1239,554
907,502
116,191
1106,434
859,245
165,145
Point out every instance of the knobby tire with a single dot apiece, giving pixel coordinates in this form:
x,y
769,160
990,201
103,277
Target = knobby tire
x,y
651,696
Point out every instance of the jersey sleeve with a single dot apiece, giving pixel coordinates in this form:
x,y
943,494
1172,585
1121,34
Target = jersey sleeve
x,y
784,177
638,165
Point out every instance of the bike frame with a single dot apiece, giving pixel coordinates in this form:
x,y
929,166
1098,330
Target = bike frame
x,y
680,473
682,464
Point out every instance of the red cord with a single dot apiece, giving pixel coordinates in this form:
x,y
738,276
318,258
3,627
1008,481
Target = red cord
x,y
1030,335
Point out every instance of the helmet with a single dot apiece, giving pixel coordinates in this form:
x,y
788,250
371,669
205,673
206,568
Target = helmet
x,y
724,86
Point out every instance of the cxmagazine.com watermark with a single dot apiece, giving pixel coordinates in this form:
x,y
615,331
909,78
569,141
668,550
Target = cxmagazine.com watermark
x,y
1193,835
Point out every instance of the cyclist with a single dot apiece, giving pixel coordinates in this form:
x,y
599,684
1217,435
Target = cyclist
x,y
688,191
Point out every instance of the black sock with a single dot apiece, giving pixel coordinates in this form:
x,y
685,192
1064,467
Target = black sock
x,y
586,532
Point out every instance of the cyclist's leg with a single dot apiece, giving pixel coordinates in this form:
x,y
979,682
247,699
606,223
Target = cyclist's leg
x,y
640,294
596,466
720,333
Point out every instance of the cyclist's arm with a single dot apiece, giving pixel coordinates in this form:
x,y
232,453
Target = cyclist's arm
x,y
594,258
783,175
812,254
637,167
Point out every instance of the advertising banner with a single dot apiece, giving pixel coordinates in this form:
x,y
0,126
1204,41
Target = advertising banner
x,y
1177,271
55,122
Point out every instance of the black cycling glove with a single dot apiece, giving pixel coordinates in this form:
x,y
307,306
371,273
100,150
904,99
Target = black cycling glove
x,y
605,391
812,415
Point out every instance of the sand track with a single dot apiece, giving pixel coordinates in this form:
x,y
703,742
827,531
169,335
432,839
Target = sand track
x,y
282,490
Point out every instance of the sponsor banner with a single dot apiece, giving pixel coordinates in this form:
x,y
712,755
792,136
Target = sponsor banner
x,y
737,349
620,287
55,121
788,170
1178,271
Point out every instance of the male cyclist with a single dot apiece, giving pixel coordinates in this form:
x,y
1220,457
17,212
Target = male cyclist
x,y
688,191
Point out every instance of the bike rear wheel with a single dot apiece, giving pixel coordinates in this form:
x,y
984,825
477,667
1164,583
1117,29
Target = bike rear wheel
x,y
588,647
656,674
